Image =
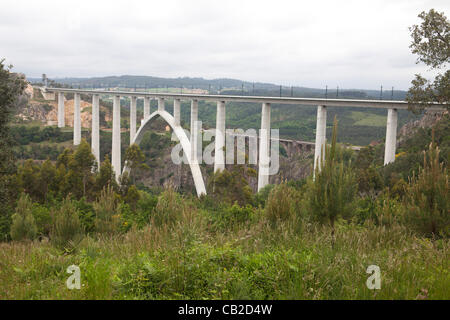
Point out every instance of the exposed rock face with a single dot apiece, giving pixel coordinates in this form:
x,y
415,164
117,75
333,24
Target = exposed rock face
x,y
29,91
429,119
35,109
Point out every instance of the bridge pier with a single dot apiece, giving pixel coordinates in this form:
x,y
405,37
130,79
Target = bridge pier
x,y
95,143
321,129
264,147
146,107
161,104
61,119
116,153
176,112
391,136
76,119
219,152
133,100
194,131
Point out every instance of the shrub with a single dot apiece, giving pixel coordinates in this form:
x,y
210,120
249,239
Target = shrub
x,y
42,218
388,211
168,208
132,196
23,225
230,216
145,207
262,195
86,214
66,229
282,203
427,202
330,194
107,218
232,185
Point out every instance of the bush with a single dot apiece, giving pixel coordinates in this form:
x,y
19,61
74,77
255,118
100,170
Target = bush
x,y
5,224
230,216
42,218
168,208
144,210
86,214
23,225
427,202
107,218
66,229
262,195
282,203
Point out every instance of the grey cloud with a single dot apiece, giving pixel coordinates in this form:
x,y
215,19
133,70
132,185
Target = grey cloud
x,y
357,44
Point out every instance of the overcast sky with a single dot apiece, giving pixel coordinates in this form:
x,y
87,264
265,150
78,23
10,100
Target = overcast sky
x,y
353,44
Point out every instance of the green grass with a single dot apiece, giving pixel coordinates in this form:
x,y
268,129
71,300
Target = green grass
x,y
368,119
191,260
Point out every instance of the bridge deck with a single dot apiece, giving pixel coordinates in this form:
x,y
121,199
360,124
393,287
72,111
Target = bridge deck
x,y
383,104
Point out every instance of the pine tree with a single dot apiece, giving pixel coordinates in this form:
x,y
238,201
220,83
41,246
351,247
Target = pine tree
x,y
134,159
107,218
106,176
84,162
46,178
428,196
23,224
333,189
66,230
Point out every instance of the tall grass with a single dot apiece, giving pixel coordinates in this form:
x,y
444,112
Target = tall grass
x,y
188,259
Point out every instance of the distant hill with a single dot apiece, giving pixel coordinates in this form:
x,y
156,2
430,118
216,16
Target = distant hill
x,y
222,85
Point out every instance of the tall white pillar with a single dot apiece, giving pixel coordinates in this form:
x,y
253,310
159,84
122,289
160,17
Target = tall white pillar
x,y
95,143
264,147
321,129
61,123
76,119
219,157
391,136
132,118
161,104
176,111
146,107
193,128
116,157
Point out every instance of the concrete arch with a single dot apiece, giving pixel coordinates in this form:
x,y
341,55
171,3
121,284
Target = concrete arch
x,y
185,144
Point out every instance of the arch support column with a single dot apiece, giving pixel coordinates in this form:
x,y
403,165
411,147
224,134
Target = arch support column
x,y
391,136
132,118
264,147
116,156
219,156
161,104
95,143
146,108
76,119
176,112
61,119
194,130
321,130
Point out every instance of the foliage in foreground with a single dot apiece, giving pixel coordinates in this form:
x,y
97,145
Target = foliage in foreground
x,y
333,189
188,260
429,196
